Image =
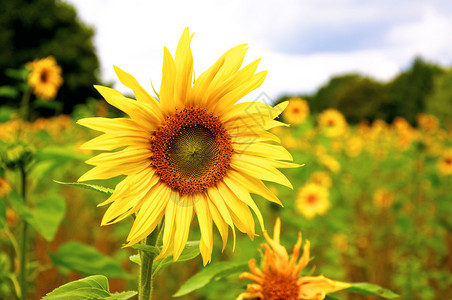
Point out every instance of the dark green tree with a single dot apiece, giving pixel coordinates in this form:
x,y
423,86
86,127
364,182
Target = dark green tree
x,y
407,93
31,29
439,102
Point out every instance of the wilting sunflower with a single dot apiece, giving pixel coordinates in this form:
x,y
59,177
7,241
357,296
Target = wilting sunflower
x,y
445,163
312,200
45,77
280,275
297,111
195,151
332,123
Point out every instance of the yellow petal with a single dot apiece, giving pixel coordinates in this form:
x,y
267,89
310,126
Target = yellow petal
x,y
184,214
141,94
111,125
184,65
167,84
219,222
258,168
264,150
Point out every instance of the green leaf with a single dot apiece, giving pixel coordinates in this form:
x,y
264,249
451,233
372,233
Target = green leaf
x,y
66,153
19,74
136,259
86,260
93,287
45,217
88,186
190,251
212,272
48,215
371,289
152,250
8,92
53,104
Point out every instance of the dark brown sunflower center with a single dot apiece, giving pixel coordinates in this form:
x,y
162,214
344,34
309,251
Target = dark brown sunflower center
x,y
44,76
280,287
191,150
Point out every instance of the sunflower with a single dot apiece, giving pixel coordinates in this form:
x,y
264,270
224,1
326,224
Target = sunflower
x,y
45,77
194,152
321,178
445,163
279,277
332,123
5,187
312,200
383,198
297,111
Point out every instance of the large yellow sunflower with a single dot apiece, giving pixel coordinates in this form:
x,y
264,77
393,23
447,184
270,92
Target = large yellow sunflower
x,y
194,151
45,77
280,276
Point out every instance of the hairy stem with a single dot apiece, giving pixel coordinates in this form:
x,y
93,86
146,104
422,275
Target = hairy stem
x,y
146,279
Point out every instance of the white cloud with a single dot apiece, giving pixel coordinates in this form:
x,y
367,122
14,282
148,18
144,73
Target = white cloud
x,y
132,35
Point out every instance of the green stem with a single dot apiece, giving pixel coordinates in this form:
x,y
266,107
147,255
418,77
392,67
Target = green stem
x,y
23,245
146,279
25,105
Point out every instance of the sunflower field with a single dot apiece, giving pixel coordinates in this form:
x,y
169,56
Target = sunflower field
x,y
196,194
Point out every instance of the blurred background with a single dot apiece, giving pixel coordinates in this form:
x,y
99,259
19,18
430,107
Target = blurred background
x,y
370,86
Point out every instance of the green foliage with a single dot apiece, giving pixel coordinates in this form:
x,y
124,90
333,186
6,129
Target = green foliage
x,y
190,251
37,29
439,102
45,217
407,93
420,88
86,260
88,186
89,288
208,274
372,289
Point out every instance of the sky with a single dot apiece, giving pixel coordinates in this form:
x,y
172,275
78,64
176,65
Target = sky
x,y
302,43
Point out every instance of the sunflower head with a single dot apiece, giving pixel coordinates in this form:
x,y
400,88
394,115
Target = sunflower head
x,y
194,151
332,123
312,200
445,163
45,77
297,111
383,198
280,277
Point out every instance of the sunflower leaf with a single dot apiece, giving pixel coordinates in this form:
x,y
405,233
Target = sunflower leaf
x,y
86,260
190,251
208,274
92,287
371,289
88,186
152,250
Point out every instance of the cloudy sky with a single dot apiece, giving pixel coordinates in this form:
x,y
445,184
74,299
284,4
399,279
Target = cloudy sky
x,y
302,43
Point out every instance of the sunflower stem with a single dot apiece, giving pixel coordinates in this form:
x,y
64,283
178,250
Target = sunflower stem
x,y
25,105
23,244
146,280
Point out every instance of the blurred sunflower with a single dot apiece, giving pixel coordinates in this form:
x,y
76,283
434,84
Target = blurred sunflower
x,y
312,200
280,275
321,178
383,198
5,187
195,151
297,111
45,77
332,123
445,163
